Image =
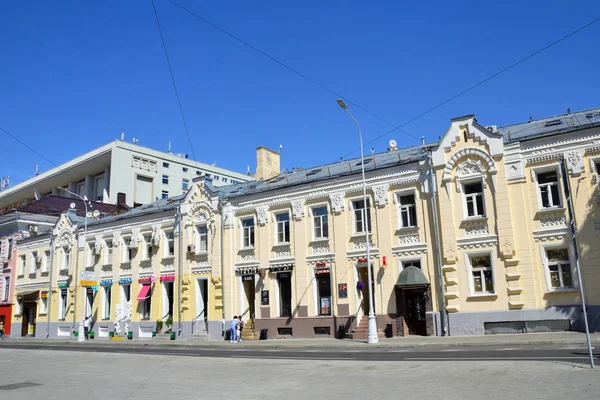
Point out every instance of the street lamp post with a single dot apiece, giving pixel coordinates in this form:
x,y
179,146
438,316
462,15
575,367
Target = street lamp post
x,y
80,328
372,336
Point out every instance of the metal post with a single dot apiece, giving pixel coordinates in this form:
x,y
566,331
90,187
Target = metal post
x,y
573,227
438,243
179,270
372,332
52,247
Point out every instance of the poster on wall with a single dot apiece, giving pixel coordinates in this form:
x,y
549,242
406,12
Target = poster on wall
x,y
325,305
264,297
343,290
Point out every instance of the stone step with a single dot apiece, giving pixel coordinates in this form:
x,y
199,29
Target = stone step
x,y
363,336
162,336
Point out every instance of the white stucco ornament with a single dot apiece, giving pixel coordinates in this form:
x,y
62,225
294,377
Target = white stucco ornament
x,y
298,208
337,202
381,195
261,213
575,161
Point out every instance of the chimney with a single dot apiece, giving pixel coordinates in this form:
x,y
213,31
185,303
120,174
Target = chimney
x,y
122,200
267,163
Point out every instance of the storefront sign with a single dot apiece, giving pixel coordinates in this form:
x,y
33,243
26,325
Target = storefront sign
x,y
343,290
284,275
88,278
322,271
44,295
264,297
246,278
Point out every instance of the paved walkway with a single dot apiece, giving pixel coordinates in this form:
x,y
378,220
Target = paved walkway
x,y
562,338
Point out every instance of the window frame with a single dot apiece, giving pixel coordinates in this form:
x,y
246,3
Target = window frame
x,y
276,215
46,262
199,235
33,263
185,183
6,288
109,252
473,196
470,271
43,306
369,218
146,306
397,197
543,170
167,253
546,266
165,179
63,303
106,301
164,194
22,261
251,232
66,258
314,218
127,252
148,247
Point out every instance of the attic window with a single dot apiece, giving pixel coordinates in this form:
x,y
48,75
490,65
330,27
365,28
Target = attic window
x,y
554,122
358,164
314,171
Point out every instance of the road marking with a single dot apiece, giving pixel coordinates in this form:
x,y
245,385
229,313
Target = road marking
x,y
295,358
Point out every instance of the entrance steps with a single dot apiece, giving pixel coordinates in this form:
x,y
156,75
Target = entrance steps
x,y
200,335
248,331
362,331
162,336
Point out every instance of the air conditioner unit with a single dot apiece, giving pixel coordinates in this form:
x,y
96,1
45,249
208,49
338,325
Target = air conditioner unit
x,y
156,240
192,248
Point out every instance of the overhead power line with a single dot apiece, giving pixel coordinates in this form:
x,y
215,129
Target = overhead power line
x,y
289,68
162,39
522,60
28,147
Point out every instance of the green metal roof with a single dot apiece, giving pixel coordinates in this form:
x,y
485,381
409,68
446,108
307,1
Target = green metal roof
x,y
412,276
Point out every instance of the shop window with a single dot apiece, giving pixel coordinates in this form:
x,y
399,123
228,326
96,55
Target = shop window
x,y
107,300
324,293
284,280
62,305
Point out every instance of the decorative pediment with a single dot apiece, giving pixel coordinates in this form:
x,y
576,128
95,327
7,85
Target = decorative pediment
x,y
337,202
298,208
381,195
478,163
262,215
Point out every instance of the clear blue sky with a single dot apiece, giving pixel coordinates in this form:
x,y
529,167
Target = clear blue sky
x,y
75,74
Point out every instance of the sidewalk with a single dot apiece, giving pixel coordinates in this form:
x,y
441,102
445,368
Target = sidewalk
x,y
531,339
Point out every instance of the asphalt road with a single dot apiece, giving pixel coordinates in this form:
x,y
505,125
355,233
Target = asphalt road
x,y
571,354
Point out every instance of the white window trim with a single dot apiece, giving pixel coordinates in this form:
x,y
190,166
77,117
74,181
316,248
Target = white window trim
x,y
43,306
351,201
469,181
45,262
402,260
315,284
64,264
396,196
548,168
22,261
104,302
166,233
311,209
62,308
89,252
469,268
569,246
32,263
242,219
125,249
147,242
197,238
108,250
5,290
276,226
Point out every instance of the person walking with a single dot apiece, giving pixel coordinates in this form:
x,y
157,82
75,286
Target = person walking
x,y
233,329
86,327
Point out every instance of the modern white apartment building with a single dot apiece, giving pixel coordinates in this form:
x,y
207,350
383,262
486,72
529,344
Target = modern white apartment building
x,y
142,174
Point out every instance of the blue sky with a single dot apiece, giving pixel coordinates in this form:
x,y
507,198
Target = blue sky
x,y
75,74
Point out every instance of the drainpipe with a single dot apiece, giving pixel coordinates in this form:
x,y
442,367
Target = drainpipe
x,y
433,190
179,270
49,310
76,282
223,218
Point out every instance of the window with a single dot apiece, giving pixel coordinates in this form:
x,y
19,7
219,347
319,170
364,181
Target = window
x,y
283,228
33,262
107,300
46,262
62,305
548,187
165,179
22,261
99,188
136,162
66,258
185,184
165,194
91,258
320,222
170,244
359,215
81,188
146,305
474,199
125,296
6,288
184,169
44,305
559,268
411,263
482,275
165,165
108,252
224,179
248,228
284,282
597,166
127,250
167,299
202,243
324,293
216,177
148,247
198,173
408,211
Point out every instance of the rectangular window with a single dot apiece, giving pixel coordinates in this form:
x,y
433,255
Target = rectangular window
x,y
66,258
46,262
165,179
216,178
411,263
43,305
202,238
165,165
168,297
548,187
482,275
284,280
62,305
224,179
107,300
248,228
146,305
184,169
474,199
198,173
99,188
136,162
6,289
324,293
127,250
170,244
359,216
148,247
108,252
185,183
165,194
22,261
408,211
125,295
283,228
33,262
559,268
320,222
